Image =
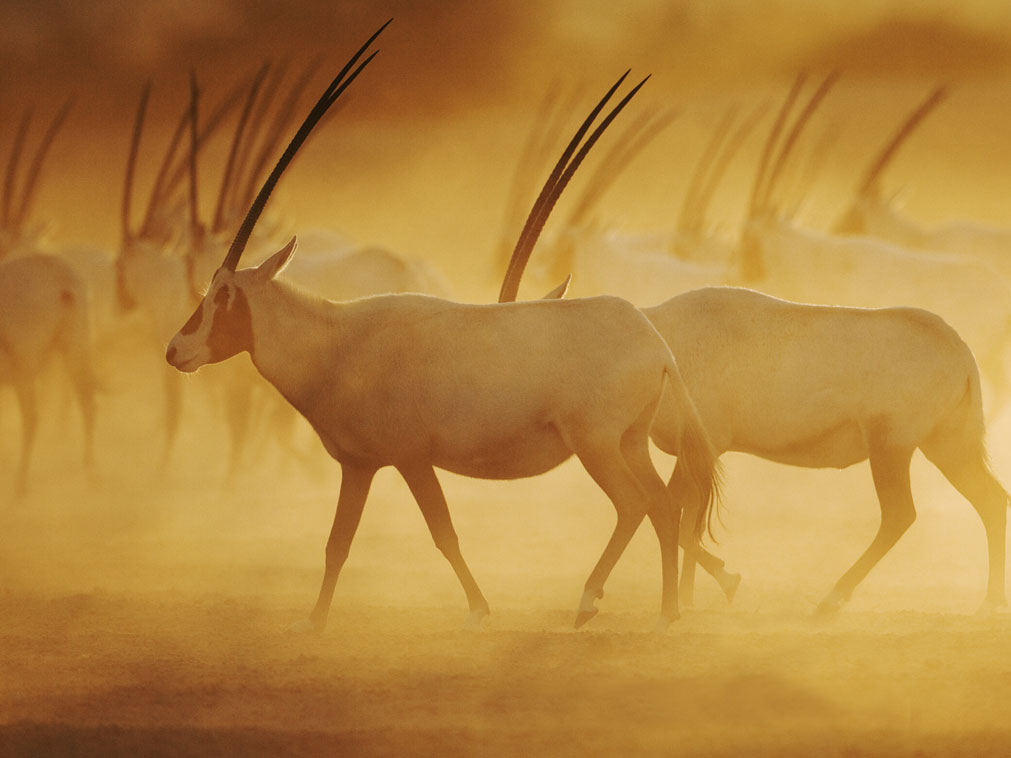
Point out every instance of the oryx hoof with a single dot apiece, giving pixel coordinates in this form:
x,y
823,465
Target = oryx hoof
x,y
583,616
475,620
829,607
587,609
663,623
991,608
729,584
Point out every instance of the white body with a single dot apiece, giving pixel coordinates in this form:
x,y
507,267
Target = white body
x,y
44,311
805,266
489,391
871,215
821,386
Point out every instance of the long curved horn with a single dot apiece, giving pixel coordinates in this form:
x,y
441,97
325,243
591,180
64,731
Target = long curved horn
x,y
639,134
131,164
181,169
803,118
254,134
196,241
689,220
880,163
159,194
277,129
41,152
195,226
557,180
340,83
545,132
226,179
17,147
733,146
770,144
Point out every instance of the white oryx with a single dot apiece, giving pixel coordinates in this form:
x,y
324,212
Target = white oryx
x,y
871,213
488,391
827,387
44,304
44,312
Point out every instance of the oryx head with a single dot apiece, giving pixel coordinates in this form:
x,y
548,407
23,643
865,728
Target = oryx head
x,y
222,324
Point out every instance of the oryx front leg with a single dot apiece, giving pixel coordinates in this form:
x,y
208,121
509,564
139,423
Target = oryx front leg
x,y
424,485
890,471
355,484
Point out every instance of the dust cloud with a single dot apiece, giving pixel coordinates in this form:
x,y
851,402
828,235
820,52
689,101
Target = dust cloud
x,y
145,602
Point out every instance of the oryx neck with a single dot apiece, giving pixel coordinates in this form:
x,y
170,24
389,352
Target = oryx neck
x,y
292,331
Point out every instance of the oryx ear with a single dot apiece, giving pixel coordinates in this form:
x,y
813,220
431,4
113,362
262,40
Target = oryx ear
x,y
276,263
560,291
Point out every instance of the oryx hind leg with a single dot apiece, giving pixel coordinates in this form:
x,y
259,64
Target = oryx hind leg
x,y
424,485
890,471
84,388
28,406
686,495
603,457
966,468
664,513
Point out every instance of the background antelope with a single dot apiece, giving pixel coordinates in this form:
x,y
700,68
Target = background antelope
x,y
44,304
872,213
44,312
803,265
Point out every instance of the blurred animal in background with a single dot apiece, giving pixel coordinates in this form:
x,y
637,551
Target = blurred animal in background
x,y
44,313
874,214
802,265
44,304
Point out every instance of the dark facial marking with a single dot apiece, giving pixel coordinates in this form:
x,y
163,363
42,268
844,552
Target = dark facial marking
x,y
231,327
193,322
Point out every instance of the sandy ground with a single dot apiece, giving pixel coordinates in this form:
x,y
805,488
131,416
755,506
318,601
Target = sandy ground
x,y
144,612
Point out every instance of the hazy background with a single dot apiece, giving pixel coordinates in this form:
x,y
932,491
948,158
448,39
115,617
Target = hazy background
x,y
422,153
169,580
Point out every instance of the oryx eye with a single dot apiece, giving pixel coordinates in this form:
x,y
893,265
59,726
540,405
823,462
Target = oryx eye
x,y
222,297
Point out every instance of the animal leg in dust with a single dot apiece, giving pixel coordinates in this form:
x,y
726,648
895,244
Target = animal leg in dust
x,y
355,484
683,492
424,485
890,471
968,472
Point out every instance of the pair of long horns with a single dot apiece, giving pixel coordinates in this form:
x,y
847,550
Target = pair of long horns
x,y
171,171
905,130
769,170
337,87
13,216
560,176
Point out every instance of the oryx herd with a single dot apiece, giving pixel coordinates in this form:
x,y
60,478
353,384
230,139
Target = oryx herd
x,y
366,347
